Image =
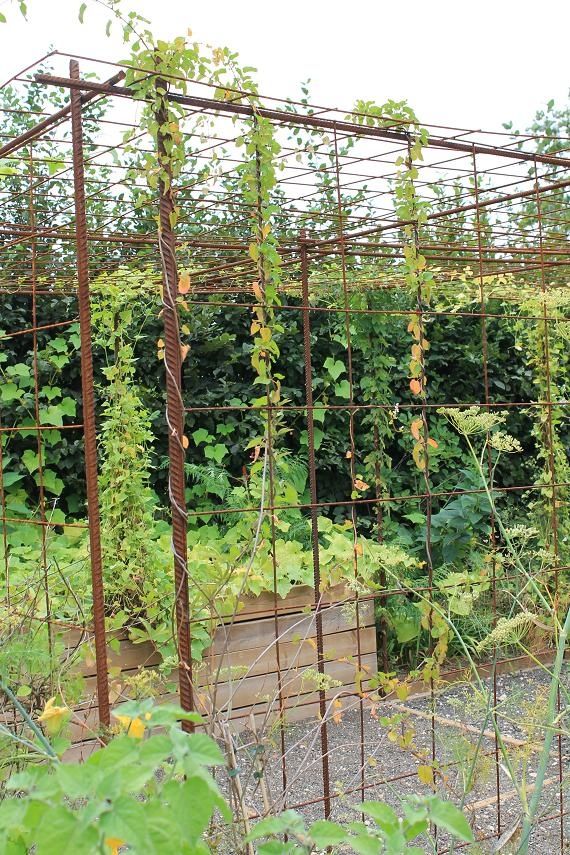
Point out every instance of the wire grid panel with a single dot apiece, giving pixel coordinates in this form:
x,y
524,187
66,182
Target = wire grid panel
x,y
496,231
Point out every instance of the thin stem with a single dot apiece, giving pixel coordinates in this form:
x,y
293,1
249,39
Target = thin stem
x,y
550,730
28,719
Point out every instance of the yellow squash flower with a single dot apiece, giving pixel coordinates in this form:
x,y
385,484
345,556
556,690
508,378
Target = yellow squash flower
x,y
134,727
114,844
53,717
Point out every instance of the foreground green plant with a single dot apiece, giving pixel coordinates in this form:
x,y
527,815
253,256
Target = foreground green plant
x,y
152,795
148,792
387,834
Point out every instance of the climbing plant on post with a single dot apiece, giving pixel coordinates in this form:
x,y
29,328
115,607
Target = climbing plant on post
x,y
166,131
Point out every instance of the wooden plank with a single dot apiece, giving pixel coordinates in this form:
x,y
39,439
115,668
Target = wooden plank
x,y
255,661
292,654
240,696
256,632
249,644
296,600
129,656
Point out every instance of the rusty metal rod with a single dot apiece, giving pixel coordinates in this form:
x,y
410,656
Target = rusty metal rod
x,y
33,133
174,419
296,119
89,429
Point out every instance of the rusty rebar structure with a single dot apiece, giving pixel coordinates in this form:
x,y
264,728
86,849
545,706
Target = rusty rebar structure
x,y
499,208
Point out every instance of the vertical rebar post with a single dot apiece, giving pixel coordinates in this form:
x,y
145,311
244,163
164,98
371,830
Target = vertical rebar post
x,y
91,475
174,410
314,514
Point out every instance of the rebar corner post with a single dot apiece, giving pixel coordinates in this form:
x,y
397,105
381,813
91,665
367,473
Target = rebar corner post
x,y
314,512
174,409
91,474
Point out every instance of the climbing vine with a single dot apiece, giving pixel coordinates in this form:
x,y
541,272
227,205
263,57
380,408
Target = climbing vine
x,y
412,214
543,332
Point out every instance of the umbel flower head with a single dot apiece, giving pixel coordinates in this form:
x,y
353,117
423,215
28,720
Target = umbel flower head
x,y
502,441
472,420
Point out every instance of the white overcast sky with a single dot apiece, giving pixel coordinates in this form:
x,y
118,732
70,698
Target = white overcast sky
x,y
465,64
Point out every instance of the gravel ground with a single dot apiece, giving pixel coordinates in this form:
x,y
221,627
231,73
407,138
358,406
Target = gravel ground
x,y
391,772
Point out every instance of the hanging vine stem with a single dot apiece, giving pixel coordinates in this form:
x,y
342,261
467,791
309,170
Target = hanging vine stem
x,y
412,213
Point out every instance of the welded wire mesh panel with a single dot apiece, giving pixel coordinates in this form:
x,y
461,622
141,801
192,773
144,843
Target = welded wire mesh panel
x,y
370,548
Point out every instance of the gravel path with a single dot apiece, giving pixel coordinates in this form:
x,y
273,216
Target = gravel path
x,y
391,771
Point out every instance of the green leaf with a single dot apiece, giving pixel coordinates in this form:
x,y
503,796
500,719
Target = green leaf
x,y
30,459
50,482
324,833
10,392
381,813
68,406
365,844
24,691
52,415
201,435
272,825
446,815
127,821
82,9
342,389
278,847
10,478
64,834
334,367
215,452
204,750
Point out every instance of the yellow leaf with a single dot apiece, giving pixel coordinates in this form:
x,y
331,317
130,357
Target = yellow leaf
x,y
358,549
402,691
160,343
257,292
360,484
415,386
414,328
348,455
419,456
372,762
185,441
134,727
425,774
184,283
184,348
415,428
432,442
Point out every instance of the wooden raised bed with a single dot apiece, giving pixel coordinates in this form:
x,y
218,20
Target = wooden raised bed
x,y
239,673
